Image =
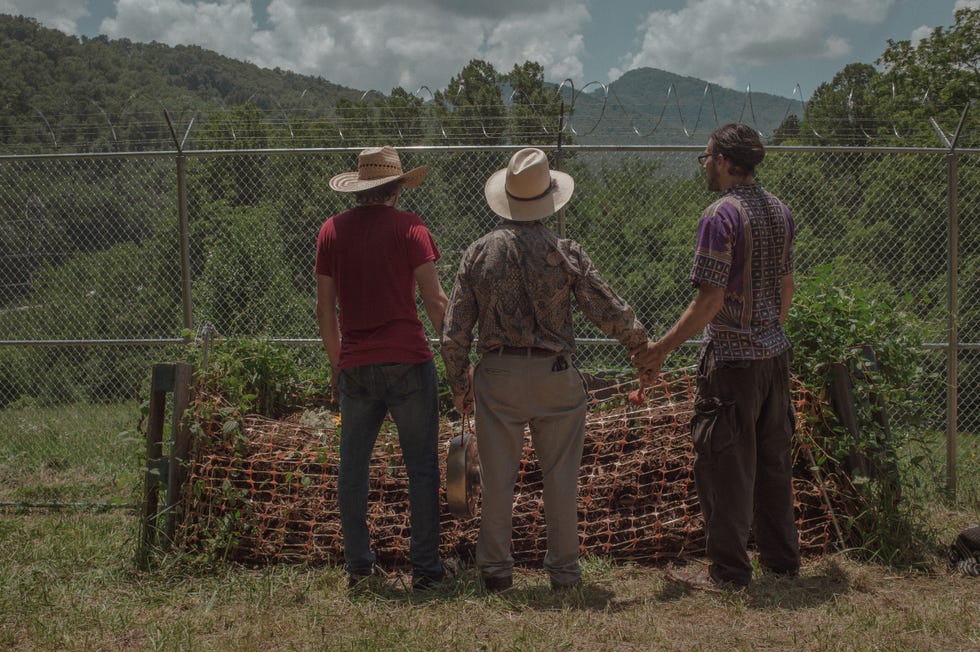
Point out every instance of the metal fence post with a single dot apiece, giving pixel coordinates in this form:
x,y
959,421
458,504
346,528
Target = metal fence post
x,y
952,339
185,256
184,228
952,371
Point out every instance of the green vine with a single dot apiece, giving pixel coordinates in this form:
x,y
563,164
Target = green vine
x,y
863,336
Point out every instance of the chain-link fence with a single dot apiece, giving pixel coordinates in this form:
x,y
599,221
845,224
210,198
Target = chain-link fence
x,y
110,261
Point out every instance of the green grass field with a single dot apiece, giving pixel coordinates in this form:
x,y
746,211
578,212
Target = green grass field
x,y
68,454
68,580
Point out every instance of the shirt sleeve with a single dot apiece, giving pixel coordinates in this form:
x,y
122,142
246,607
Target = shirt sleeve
x,y
714,249
604,308
457,331
421,245
323,264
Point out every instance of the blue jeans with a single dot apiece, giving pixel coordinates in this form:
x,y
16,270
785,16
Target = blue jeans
x,y
410,393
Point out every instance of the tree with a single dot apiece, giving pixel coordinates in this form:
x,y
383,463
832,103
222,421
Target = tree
x,y
934,78
240,179
842,112
471,108
403,115
535,109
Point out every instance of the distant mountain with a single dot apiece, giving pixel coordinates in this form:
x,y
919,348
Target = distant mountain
x,y
65,93
651,106
84,94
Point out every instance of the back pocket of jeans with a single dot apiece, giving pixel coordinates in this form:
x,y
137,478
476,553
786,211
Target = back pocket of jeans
x,y
402,379
713,425
349,385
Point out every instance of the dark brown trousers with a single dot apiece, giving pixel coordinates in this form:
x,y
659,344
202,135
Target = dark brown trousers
x,y
743,427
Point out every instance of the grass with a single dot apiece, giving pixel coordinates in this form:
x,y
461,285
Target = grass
x,y
74,453
67,582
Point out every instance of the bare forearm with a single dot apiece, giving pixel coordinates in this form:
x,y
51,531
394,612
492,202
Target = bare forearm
x,y
698,314
329,335
787,289
435,308
434,300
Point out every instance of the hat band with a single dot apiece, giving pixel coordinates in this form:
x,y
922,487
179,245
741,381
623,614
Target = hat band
x,y
548,190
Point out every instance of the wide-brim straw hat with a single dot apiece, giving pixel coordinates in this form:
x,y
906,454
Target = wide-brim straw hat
x,y
377,166
528,189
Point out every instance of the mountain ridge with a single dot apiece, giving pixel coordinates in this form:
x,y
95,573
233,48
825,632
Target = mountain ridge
x,y
84,93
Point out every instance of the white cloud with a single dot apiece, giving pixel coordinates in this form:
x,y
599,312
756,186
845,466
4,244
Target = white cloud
x,y
717,40
920,33
62,15
925,31
369,44
225,26
553,39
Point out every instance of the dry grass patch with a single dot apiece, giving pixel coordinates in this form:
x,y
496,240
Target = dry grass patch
x,y
67,582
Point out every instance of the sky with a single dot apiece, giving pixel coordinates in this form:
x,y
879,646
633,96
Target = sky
x,y
783,47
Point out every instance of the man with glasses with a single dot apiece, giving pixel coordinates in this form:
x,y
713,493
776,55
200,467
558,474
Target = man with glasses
x,y
744,420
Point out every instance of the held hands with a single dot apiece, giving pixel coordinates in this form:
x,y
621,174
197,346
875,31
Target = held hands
x,y
648,361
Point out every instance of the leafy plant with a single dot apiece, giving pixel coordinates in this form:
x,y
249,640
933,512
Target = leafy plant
x,y
864,334
257,375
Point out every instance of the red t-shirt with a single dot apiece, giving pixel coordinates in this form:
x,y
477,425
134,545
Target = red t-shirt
x,y
371,253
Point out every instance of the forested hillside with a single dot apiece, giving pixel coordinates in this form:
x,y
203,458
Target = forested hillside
x,y
65,94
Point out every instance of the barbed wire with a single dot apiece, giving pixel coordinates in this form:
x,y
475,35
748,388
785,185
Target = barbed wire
x,y
593,111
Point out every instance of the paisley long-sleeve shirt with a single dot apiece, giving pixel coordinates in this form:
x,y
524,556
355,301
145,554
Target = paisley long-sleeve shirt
x,y
517,283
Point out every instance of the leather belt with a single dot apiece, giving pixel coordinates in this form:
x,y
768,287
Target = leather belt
x,y
526,351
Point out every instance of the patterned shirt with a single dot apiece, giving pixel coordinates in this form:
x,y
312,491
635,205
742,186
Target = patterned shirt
x,y
518,281
745,245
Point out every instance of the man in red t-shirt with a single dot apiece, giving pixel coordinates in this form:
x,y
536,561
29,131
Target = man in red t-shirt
x,y
369,260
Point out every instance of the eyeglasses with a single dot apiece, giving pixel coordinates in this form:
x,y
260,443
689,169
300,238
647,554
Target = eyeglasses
x,y
704,157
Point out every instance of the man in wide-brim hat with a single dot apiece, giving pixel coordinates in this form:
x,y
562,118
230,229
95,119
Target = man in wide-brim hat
x,y
369,261
517,282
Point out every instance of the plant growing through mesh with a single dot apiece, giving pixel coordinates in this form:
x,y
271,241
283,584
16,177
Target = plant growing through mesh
x,y
863,334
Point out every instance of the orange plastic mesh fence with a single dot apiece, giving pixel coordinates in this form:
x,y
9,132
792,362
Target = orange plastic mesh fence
x,y
268,493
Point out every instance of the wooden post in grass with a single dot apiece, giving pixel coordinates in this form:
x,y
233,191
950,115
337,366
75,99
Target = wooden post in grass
x,y
164,470
176,471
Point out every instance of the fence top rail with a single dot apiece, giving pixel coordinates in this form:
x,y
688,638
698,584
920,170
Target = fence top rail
x,y
166,154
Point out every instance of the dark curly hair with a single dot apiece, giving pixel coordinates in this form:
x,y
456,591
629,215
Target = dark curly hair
x,y
741,147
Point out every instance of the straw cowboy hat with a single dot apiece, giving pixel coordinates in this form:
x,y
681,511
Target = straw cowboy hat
x,y
527,189
377,166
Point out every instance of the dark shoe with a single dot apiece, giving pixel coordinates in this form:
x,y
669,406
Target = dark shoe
x,y
497,584
700,579
360,579
567,586
426,582
356,579
790,573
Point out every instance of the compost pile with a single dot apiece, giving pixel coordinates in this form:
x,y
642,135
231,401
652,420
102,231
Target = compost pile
x,y
264,491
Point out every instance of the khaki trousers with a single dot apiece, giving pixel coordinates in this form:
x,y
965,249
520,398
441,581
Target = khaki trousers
x,y
547,394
